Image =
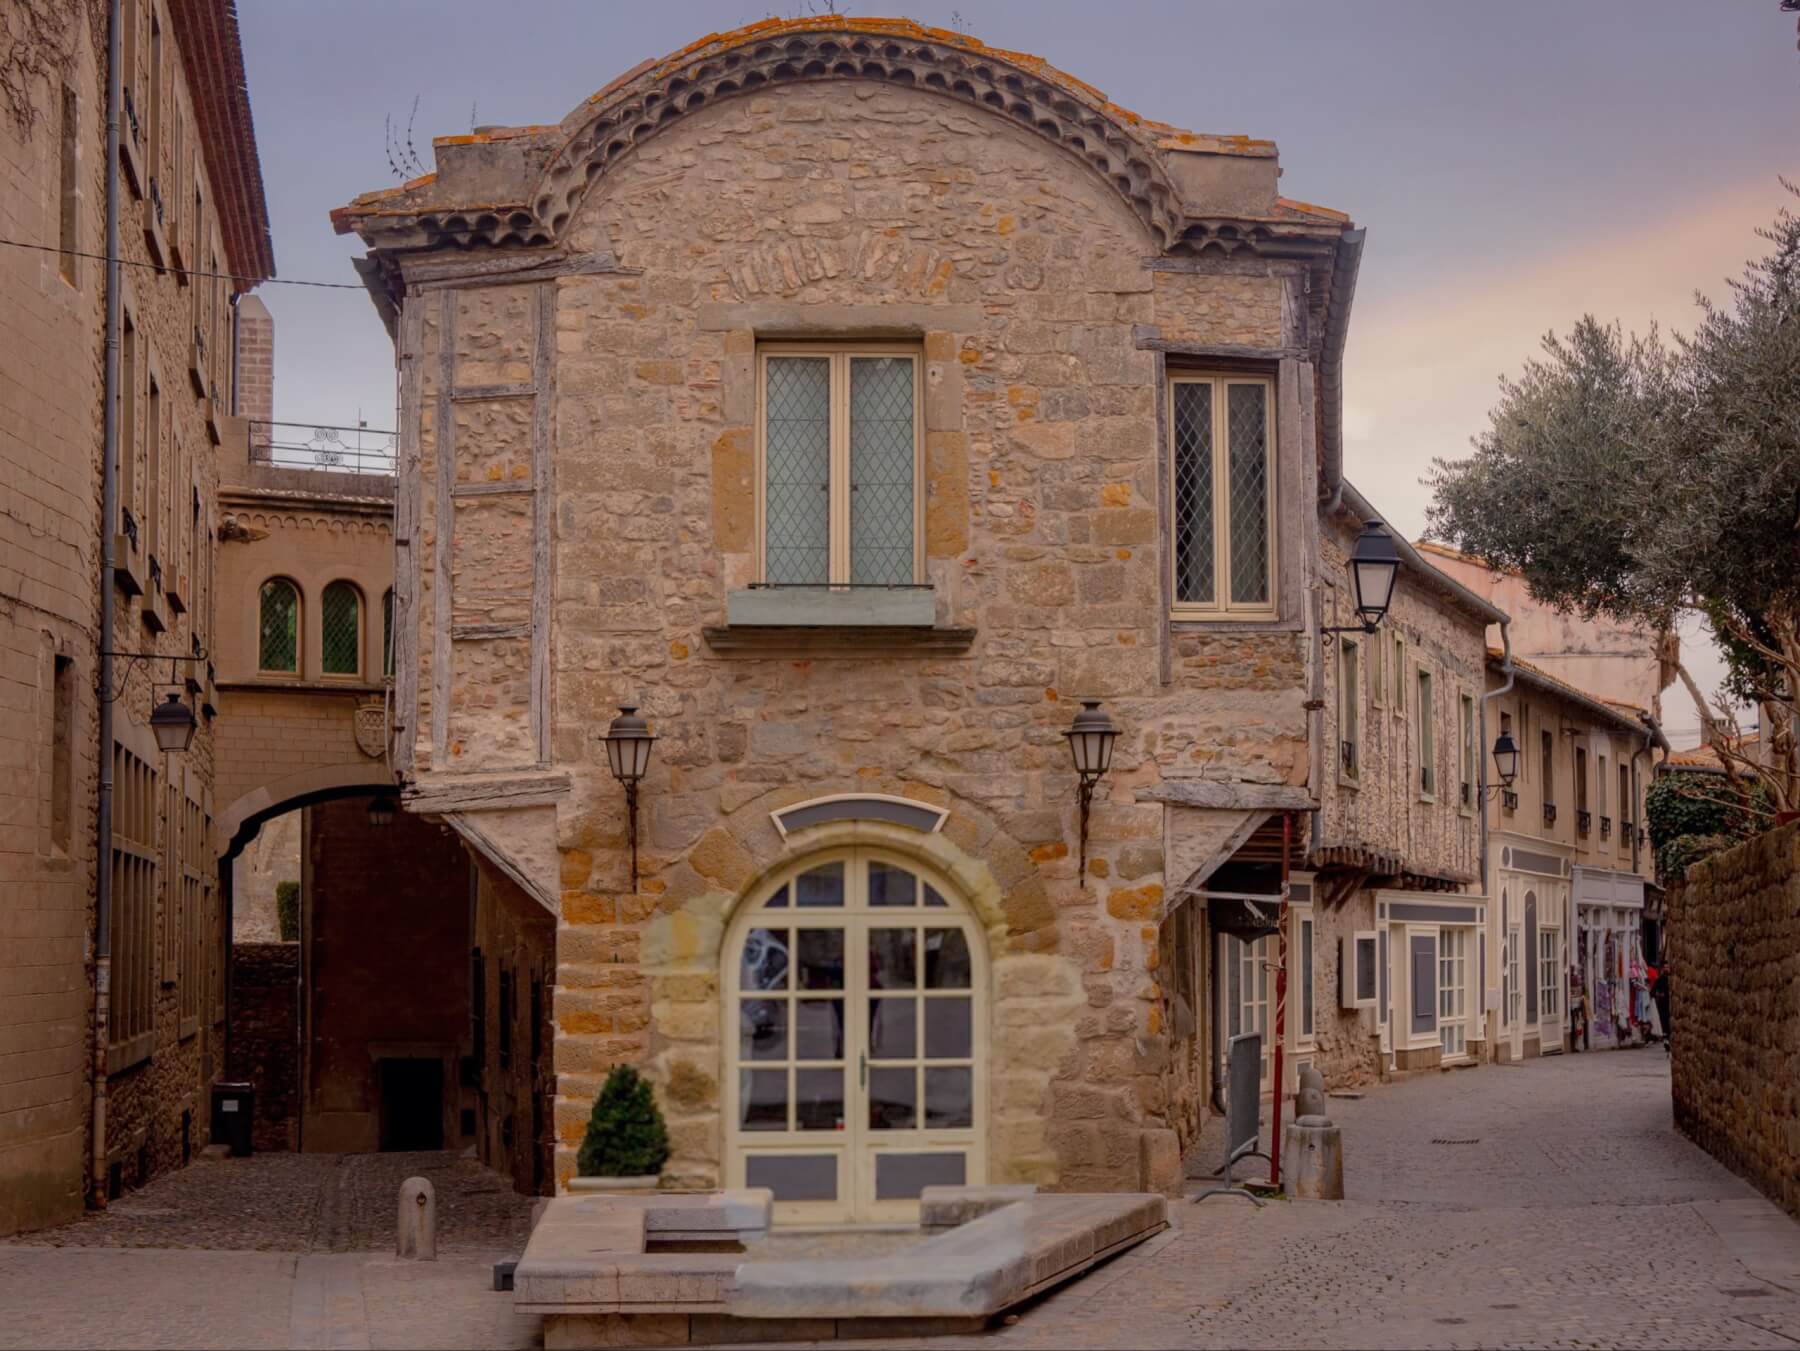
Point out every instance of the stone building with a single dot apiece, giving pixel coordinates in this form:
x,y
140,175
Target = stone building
x,y
853,399
1569,867
90,1104
1386,937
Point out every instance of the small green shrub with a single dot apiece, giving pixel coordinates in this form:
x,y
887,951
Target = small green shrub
x,y
1693,816
287,911
626,1136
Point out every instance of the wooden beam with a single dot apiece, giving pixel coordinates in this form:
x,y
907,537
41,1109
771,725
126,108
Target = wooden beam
x,y
485,792
1223,796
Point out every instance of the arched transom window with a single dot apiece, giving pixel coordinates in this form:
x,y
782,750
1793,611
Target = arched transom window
x,y
278,627
856,994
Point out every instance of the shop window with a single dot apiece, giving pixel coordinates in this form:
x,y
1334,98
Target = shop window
x,y
340,614
1223,496
1453,991
840,451
1549,975
278,630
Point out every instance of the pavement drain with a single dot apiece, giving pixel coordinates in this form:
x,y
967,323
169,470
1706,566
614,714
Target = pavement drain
x,y
1753,1292
1457,1140
1450,1322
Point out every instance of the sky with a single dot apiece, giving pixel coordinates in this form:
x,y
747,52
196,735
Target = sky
x,y
1515,164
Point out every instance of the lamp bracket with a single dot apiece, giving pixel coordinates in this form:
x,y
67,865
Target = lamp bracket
x,y
133,658
1351,628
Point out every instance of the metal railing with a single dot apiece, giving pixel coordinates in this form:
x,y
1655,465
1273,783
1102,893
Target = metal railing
x,y
337,450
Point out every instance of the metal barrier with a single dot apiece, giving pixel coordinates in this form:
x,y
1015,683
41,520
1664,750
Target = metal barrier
x,y
306,445
1243,1097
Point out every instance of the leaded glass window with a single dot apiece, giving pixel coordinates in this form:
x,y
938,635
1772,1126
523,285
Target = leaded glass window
x,y
1222,503
341,629
840,452
278,627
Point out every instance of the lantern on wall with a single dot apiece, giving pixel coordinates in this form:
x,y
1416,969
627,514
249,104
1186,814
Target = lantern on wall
x,y
173,723
1091,737
628,745
1374,564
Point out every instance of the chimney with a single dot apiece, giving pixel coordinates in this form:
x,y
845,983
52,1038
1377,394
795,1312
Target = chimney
x,y
256,364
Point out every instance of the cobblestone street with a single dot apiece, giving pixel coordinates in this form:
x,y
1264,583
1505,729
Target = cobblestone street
x,y
1549,1204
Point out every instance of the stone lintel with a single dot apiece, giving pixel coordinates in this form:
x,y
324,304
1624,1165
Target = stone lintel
x,y
485,792
800,643
776,319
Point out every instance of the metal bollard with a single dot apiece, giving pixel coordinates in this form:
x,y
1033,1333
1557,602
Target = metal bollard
x,y
417,1233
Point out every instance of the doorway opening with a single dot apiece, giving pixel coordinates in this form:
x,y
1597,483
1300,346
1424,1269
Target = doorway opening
x,y
412,1105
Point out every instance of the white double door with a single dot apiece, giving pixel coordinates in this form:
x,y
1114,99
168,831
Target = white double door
x,y
856,1029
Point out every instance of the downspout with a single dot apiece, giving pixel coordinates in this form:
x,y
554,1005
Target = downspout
x,y
109,515
1481,778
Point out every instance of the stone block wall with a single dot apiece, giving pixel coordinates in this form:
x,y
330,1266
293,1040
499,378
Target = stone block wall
x,y
1734,950
265,1037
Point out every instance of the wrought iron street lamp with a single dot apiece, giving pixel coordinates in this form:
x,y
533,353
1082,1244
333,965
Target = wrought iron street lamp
x,y
381,810
1091,737
1506,758
173,723
628,744
1374,564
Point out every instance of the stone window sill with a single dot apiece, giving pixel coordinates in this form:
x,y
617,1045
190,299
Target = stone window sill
x,y
831,607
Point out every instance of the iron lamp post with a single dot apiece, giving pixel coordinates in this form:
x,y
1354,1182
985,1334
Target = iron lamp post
x,y
1091,737
628,744
173,723
1506,758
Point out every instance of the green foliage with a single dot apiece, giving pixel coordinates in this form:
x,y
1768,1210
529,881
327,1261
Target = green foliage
x,y
1624,476
287,911
1693,816
626,1136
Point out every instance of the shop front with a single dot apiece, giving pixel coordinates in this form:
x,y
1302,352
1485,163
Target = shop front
x,y
1610,991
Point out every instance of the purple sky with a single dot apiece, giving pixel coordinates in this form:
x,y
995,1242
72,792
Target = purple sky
x,y
1515,164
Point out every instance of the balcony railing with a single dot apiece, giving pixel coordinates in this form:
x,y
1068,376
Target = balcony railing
x,y
1584,822
156,200
337,450
1347,757
1606,827
1549,813
131,117
1509,799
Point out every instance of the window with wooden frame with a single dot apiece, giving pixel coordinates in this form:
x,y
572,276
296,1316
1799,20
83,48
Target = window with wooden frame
x,y
191,977
1583,819
1305,932
840,440
1547,762
1469,753
1222,496
1349,709
131,1015
1378,673
1427,738
1399,676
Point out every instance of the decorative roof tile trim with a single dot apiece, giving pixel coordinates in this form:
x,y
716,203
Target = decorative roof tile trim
x,y
213,53
1112,141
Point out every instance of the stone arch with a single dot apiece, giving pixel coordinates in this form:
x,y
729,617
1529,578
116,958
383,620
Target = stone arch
x,y
1036,991
239,822
1117,146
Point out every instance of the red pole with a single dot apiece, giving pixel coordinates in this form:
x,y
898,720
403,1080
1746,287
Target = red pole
x,y
1281,967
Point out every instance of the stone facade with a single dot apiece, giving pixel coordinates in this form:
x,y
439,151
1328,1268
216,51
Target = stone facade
x,y
1734,932
190,154
579,472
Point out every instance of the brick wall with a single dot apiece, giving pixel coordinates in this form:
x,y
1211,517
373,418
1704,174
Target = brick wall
x,y
265,1037
388,911
1734,948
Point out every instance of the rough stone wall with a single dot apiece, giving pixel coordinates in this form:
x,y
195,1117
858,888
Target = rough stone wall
x,y
1734,943
387,965
1018,276
265,1037
271,858
1382,807
1347,1045
517,936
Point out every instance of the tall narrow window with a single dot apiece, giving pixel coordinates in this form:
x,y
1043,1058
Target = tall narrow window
x,y
153,454
1627,808
1306,975
1349,710
1468,751
1377,674
156,93
1547,756
340,614
1223,495
387,632
1427,738
1581,790
278,629
69,195
840,456
129,507
1399,674
62,741
131,1024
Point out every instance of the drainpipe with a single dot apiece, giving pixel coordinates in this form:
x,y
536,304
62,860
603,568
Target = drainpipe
x,y
1481,778
109,515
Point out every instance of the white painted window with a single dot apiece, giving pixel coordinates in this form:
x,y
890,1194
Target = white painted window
x,y
1357,959
1222,495
1550,975
1453,991
839,447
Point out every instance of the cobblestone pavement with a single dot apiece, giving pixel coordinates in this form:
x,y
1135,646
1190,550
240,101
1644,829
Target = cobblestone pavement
x,y
1567,1214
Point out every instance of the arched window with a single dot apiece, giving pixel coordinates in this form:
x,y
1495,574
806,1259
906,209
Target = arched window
x,y
856,984
340,609
278,627
387,632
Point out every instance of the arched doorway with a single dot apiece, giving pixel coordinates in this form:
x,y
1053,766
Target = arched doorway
x,y
856,1037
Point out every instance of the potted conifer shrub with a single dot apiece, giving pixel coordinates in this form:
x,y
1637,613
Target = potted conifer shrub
x,y
627,1142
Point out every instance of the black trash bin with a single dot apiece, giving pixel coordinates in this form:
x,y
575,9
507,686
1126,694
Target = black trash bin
x,y
232,1108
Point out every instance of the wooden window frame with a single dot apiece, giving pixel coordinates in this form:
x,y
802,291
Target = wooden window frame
x,y
839,354
1349,684
1222,607
1471,753
1425,696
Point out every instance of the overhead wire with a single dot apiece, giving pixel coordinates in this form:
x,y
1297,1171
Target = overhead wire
x,y
185,271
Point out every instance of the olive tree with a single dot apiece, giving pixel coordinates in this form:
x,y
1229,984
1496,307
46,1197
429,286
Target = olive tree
x,y
1638,478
